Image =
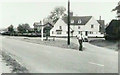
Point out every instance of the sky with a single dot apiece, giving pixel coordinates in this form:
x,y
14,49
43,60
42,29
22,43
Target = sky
x,y
23,11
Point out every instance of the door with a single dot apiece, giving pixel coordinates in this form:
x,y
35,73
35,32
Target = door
x,y
86,33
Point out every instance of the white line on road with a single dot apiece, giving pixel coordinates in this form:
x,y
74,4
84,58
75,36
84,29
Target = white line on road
x,y
96,64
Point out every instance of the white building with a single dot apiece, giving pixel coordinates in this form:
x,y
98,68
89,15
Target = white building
x,y
86,25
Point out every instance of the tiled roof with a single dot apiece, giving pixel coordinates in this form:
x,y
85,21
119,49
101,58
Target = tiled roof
x,y
77,20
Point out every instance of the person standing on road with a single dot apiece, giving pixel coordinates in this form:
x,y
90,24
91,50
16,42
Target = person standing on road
x,y
80,40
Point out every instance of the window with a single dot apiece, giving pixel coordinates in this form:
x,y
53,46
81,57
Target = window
x,y
78,27
72,21
79,21
91,32
60,27
59,32
92,26
52,32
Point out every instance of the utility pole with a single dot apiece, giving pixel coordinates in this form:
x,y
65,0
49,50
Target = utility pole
x,y
68,22
42,30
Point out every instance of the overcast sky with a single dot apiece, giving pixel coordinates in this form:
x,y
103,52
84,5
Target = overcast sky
x,y
21,11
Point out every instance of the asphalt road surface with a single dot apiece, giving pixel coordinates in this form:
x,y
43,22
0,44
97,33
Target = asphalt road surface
x,y
46,59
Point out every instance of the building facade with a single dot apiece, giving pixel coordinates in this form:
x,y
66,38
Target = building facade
x,y
85,25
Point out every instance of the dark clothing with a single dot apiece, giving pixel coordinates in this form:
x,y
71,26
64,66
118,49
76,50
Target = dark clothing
x,y
80,44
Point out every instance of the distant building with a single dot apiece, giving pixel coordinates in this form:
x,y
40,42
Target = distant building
x,y
46,27
102,25
37,26
85,25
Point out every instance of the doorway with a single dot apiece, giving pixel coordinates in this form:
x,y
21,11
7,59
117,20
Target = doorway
x,y
86,33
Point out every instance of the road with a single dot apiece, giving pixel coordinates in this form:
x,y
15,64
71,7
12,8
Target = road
x,y
46,59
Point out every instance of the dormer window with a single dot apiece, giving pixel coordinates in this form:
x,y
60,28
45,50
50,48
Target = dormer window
x,y
72,21
79,21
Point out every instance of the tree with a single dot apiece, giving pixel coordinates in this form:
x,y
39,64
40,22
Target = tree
x,y
11,29
47,30
57,12
22,28
55,15
26,27
117,8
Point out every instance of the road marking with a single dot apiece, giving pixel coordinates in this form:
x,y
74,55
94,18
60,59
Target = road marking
x,y
96,64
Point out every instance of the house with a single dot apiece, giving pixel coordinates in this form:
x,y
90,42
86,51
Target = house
x,y
102,25
85,25
46,27
37,26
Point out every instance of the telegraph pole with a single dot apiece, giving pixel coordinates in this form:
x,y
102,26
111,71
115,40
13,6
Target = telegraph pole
x,y
68,22
42,30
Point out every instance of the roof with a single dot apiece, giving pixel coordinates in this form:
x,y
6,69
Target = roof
x,y
48,23
101,22
36,23
83,19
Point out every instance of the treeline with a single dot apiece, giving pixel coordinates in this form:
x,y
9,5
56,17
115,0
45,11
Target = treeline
x,y
21,30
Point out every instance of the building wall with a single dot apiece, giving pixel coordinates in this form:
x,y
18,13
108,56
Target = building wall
x,y
95,23
60,22
77,28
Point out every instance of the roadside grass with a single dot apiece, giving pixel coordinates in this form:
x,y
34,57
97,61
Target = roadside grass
x,y
14,65
104,43
55,43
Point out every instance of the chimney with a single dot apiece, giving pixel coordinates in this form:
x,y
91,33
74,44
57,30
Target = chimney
x,y
40,22
100,18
